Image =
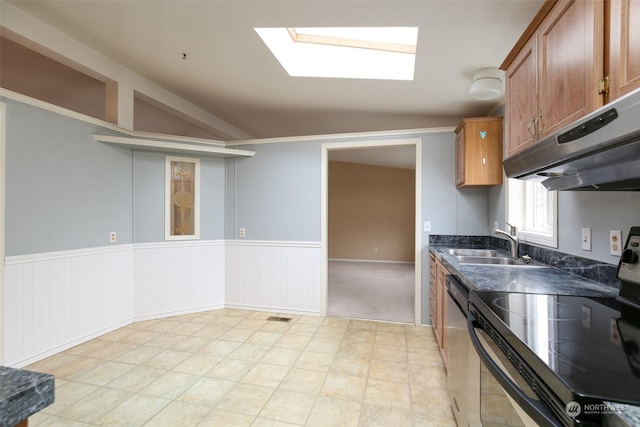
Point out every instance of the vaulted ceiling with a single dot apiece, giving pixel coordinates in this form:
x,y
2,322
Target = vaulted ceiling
x,y
229,72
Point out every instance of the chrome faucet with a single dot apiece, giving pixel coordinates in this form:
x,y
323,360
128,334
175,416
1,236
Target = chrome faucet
x,y
513,238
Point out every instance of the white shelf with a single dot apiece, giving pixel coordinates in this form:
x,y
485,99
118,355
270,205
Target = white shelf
x,y
173,146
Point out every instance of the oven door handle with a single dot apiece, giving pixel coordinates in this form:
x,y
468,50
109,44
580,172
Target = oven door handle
x,y
534,409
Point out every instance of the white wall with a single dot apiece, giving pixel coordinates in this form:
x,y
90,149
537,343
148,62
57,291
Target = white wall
x,y
281,277
56,300
171,278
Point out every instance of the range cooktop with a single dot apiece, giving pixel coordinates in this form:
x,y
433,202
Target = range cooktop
x,y
582,348
572,348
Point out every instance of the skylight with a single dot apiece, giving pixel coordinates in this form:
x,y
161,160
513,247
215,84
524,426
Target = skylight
x,y
386,53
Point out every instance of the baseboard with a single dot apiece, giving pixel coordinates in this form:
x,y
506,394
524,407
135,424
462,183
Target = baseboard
x,y
370,260
272,309
66,346
172,313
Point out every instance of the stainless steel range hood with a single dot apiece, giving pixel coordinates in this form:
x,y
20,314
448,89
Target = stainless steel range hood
x,y
598,152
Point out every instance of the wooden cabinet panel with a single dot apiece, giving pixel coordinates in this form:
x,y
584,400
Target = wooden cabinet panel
x,y
624,47
479,152
460,150
442,312
553,79
521,106
571,43
438,305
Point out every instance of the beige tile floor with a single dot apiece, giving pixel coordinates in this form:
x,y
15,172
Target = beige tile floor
x,y
234,368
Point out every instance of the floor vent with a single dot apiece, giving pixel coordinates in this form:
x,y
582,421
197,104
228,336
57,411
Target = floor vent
x,y
279,319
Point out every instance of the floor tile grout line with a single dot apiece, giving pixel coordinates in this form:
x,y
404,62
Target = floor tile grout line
x,y
320,332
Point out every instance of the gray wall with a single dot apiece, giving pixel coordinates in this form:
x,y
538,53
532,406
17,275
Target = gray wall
x,y
276,195
148,184
451,211
64,190
600,211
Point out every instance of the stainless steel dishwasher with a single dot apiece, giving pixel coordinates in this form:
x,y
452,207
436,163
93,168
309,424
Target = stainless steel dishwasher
x,y
463,374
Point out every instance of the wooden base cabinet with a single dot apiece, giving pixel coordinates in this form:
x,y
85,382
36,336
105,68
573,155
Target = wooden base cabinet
x,y
438,304
479,152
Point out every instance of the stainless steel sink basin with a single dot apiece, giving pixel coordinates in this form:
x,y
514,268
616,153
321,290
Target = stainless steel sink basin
x,y
496,261
474,252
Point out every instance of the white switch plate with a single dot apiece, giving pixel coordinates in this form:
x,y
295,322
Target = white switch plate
x,y
243,232
427,226
496,225
615,242
112,237
586,239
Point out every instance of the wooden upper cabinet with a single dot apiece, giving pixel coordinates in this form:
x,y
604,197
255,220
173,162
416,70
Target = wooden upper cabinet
x,y
479,152
553,73
623,20
521,106
571,63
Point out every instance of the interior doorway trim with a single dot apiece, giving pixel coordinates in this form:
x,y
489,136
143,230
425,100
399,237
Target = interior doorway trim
x,y
3,133
324,216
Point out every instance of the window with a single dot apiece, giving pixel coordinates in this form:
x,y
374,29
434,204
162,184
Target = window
x,y
386,53
182,198
534,211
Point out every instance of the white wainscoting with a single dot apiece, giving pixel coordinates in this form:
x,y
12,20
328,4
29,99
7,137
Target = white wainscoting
x,y
53,301
274,276
178,277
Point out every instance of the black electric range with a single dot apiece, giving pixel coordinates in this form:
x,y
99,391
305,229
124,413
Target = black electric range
x,y
573,352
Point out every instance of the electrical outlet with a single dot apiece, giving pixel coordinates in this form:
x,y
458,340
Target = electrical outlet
x,y
586,239
615,242
112,237
243,232
427,226
496,224
375,249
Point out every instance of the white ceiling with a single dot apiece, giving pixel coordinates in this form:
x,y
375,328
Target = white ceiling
x,y
230,73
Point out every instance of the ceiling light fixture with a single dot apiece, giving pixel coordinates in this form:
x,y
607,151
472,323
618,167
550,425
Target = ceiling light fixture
x,y
487,84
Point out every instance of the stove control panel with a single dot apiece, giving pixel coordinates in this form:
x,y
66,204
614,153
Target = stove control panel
x,y
629,267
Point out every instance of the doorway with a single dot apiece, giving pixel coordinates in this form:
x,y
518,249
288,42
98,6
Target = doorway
x,y
368,271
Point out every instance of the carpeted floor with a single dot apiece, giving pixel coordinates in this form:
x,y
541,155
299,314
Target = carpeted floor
x,y
372,290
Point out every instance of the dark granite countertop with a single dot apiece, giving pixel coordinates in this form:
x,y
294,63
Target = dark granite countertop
x,y
518,279
620,415
22,394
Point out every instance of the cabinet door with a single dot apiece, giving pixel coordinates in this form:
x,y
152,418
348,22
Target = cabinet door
x,y
521,106
460,154
571,52
483,152
442,312
624,47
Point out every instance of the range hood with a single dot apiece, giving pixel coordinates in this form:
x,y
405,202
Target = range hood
x,y
601,151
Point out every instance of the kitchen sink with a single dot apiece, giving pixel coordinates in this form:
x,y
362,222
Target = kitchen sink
x,y
496,261
474,252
